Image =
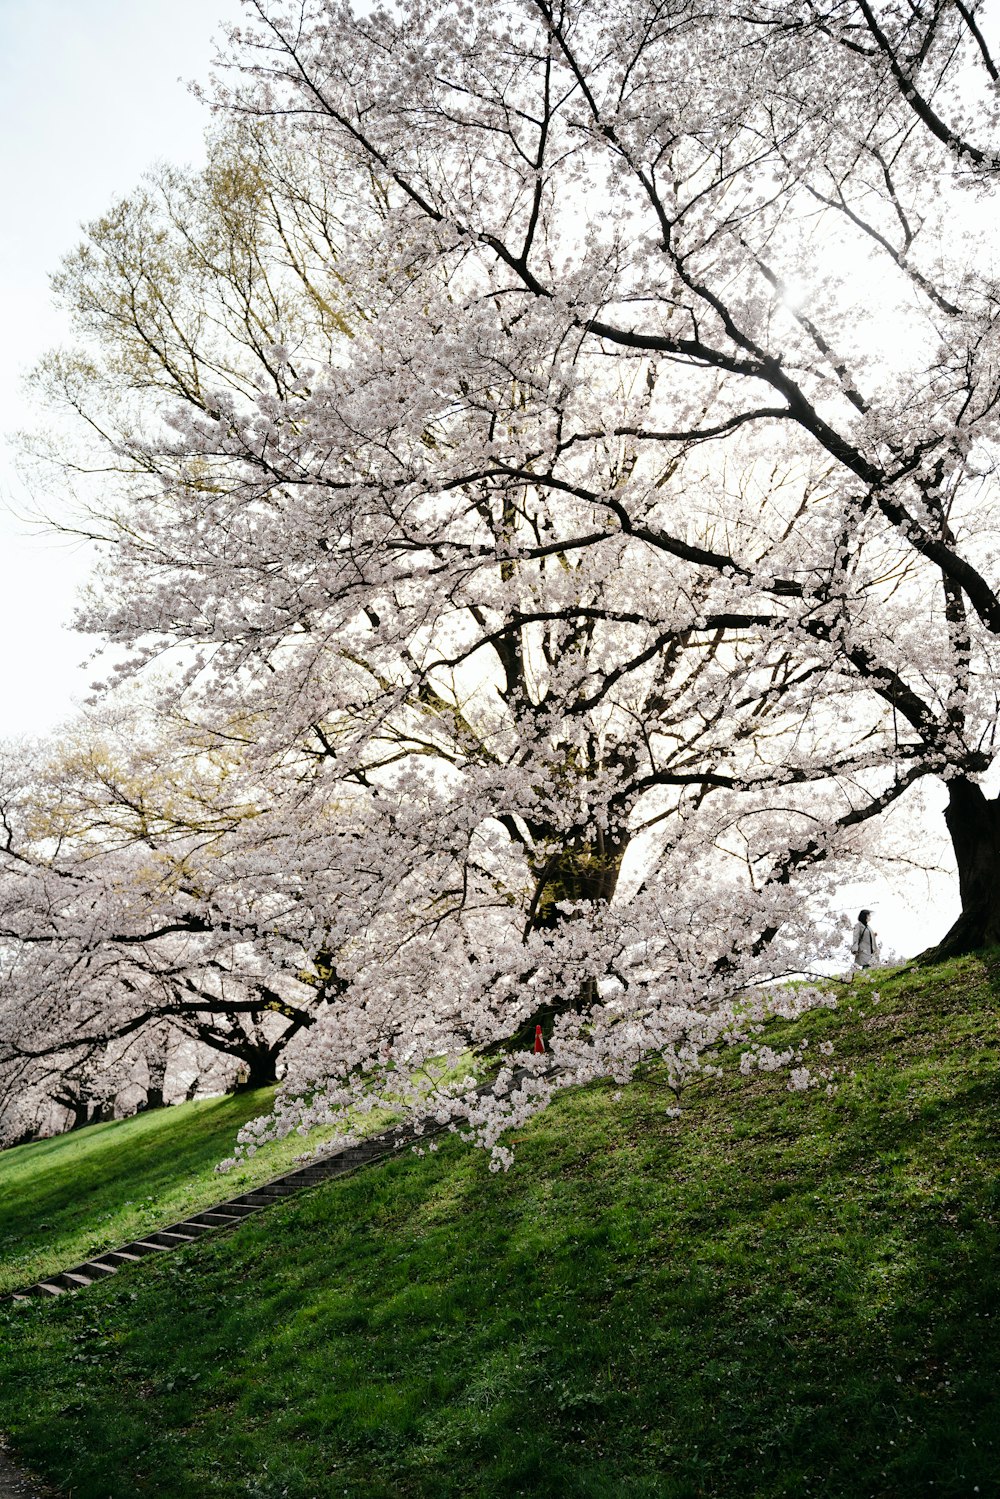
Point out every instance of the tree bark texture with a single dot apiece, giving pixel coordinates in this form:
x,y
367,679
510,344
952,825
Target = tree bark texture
x,y
974,824
258,1066
582,870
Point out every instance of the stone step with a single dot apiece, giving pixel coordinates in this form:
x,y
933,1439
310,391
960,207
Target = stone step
x,y
119,1257
72,1280
48,1288
236,1209
215,1219
140,1247
330,1172
170,1239
95,1268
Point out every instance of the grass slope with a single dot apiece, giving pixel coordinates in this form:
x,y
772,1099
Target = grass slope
x,y
66,1198
777,1294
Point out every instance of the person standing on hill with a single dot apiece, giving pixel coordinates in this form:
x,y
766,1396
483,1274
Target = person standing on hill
x,y
864,942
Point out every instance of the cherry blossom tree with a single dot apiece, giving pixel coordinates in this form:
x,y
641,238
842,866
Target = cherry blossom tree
x,y
715,200
507,441
118,938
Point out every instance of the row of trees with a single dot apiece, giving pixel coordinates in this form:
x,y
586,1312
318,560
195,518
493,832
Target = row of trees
x,y
546,463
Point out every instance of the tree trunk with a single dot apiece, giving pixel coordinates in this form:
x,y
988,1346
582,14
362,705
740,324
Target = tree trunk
x,y
584,871
79,1111
974,824
258,1066
580,871
156,1067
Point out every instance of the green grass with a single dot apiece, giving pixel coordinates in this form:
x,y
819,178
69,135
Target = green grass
x,y
777,1294
66,1198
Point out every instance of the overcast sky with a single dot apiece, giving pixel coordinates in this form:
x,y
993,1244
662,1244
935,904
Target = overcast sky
x,y
92,92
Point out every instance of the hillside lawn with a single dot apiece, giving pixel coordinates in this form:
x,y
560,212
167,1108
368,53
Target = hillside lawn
x,y
66,1198
776,1294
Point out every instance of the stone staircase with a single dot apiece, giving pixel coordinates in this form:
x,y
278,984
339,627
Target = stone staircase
x,y
229,1214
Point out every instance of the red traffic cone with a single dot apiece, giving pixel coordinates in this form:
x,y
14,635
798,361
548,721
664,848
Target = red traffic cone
x,y
539,1043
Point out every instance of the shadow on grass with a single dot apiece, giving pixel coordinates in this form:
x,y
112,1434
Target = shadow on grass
x,y
774,1296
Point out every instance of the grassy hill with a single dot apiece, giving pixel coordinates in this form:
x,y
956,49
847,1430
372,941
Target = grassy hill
x,y
776,1294
66,1198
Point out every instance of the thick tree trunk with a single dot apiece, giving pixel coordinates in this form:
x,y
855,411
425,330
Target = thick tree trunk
x,y
79,1111
258,1067
974,824
584,871
156,1067
580,871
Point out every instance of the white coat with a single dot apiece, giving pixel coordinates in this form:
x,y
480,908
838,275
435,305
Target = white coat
x,y
864,945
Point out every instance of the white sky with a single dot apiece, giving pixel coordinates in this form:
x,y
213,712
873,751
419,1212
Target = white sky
x,y
91,94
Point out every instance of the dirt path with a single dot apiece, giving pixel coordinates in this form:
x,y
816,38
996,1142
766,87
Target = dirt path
x,y
16,1484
